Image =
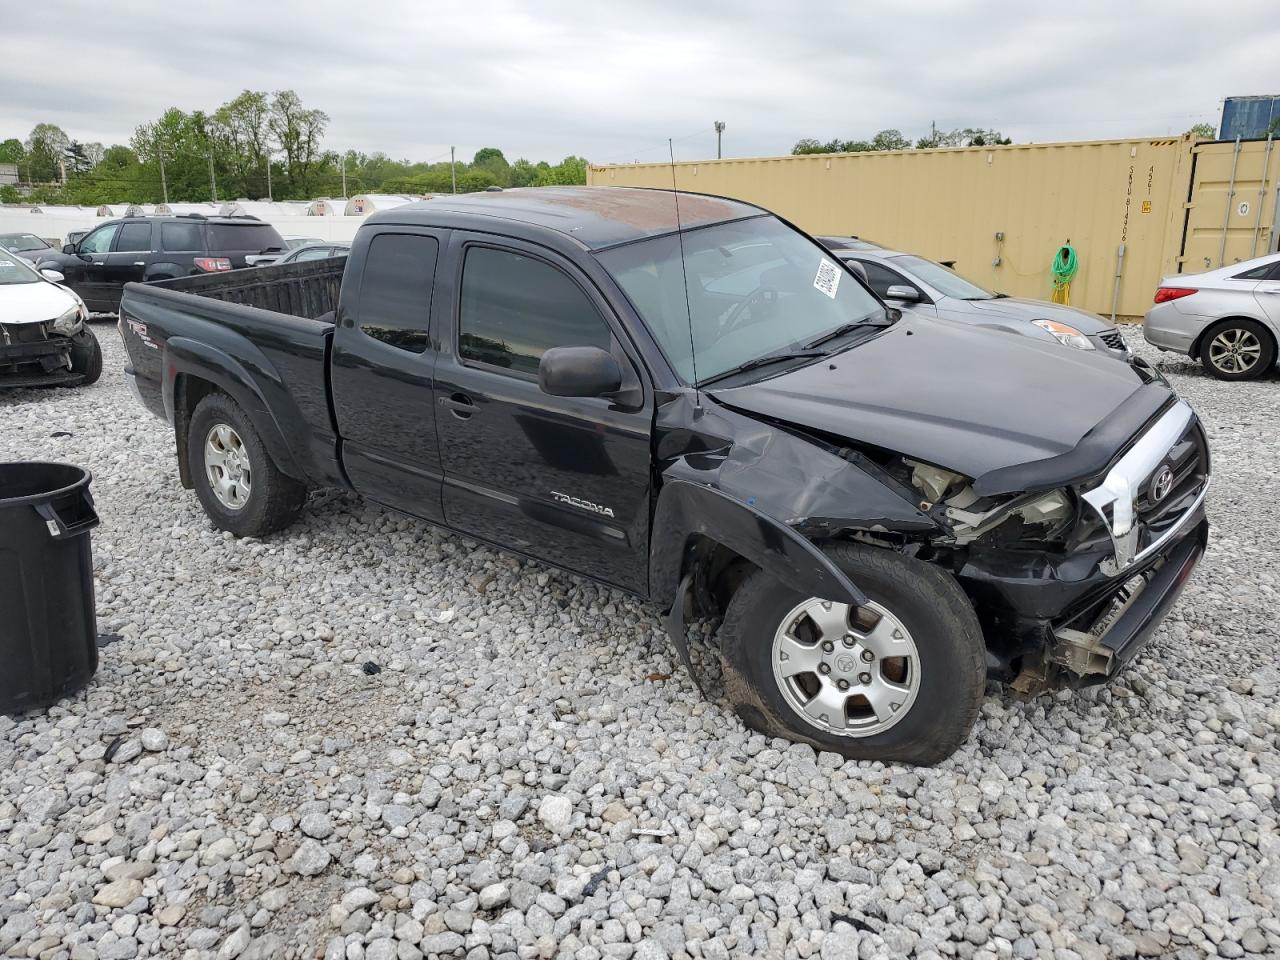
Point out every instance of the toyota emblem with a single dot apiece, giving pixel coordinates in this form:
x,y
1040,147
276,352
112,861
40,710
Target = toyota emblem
x,y
1161,484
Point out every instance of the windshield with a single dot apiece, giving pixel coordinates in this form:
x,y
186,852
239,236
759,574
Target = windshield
x,y
946,281
13,270
21,243
756,287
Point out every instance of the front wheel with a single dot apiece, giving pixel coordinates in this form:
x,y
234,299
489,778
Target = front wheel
x,y
899,679
1238,350
238,483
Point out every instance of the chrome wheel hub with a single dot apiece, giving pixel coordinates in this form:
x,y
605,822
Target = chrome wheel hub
x,y
226,464
1235,351
849,671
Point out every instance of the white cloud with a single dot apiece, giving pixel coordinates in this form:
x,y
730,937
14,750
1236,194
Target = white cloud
x,y
613,81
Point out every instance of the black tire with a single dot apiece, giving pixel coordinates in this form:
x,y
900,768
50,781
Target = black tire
x,y
934,611
273,500
86,357
1251,333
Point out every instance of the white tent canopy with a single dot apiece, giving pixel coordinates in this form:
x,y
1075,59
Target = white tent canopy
x,y
264,209
327,207
208,209
115,210
367,203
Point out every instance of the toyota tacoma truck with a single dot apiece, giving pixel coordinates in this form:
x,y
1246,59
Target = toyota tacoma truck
x,y
687,398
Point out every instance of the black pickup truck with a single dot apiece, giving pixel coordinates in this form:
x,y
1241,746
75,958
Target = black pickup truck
x,y
686,398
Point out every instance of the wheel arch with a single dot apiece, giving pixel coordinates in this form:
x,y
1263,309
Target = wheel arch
x,y
1198,345
197,371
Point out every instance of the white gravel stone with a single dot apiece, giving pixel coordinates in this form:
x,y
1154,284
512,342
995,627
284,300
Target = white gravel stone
x,y
509,785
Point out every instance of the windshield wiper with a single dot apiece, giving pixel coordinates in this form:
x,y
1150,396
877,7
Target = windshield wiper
x,y
846,328
765,361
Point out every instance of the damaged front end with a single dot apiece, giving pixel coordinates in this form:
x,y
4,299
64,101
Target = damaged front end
x,y
35,354
1069,582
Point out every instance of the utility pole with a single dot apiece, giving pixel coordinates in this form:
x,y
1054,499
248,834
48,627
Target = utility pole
x,y
213,183
453,171
344,174
269,197
719,131
164,184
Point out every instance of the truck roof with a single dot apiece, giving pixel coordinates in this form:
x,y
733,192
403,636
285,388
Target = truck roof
x,y
596,217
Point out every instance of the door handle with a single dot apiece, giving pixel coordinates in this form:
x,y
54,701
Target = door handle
x,y
460,405
1275,290
139,263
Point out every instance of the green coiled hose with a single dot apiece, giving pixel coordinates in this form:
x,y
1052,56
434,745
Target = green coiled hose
x,y
1065,265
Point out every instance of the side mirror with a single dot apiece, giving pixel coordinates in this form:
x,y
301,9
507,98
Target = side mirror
x,y
579,372
69,248
50,274
900,291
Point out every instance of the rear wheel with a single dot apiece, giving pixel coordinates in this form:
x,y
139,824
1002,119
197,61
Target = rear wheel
x,y
1238,350
900,678
86,357
238,484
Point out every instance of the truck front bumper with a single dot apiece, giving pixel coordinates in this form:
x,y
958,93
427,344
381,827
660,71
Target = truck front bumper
x,y
38,363
1052,623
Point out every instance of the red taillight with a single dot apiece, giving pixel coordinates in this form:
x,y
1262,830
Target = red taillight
x,y
213,264
1165,294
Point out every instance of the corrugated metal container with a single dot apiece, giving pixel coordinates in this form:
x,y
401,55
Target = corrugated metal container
x,y
1249,117
1233,206
999,212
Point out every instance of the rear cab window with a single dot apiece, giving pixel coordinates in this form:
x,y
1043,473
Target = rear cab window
x,y
395,290
513,308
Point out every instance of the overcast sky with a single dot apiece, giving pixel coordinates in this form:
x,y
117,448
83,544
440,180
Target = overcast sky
x,y
612,80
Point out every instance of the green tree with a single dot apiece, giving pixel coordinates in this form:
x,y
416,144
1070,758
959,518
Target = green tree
x,y
298,130
11,151
1203,131
45,148
491,161
890,140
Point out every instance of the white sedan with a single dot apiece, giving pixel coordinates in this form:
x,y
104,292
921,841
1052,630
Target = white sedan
x,y
43,337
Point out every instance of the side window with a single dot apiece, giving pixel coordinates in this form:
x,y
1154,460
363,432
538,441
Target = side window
x,y
182,237
881,278
100,240
135,237
514,308
395,289
313,253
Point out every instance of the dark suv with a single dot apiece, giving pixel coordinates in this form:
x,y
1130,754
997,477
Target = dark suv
x,y
157,248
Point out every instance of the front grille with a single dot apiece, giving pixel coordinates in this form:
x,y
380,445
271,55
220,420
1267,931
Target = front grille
x,y
1147,495
12,333
1114,340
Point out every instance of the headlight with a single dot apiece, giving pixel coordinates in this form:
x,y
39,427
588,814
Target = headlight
x,y
1031,519
1065,334
70,322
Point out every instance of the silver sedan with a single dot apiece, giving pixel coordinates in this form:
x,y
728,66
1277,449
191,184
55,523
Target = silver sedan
x,y
922,286
1228,319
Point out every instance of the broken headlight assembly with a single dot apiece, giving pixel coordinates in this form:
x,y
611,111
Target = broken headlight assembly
x,y
70,322
1065,334
1036,518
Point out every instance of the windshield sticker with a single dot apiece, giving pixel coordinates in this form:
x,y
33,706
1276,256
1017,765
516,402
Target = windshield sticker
x,y
7,263
828,279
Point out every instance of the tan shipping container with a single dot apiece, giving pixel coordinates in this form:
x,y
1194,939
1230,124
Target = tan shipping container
x,y
999,212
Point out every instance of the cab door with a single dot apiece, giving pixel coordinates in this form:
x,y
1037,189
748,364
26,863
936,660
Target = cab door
x,y
564,479
85,271
128,259
383,357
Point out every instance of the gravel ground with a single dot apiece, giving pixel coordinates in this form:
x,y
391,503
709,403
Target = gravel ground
x,y
368,738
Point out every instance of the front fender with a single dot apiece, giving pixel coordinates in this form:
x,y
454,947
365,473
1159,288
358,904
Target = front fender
x,y
687,510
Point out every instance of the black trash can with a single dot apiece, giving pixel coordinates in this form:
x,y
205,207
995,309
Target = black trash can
x,y
48,618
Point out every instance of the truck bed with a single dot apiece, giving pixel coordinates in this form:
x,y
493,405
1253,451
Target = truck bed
x,y
254,334
308,289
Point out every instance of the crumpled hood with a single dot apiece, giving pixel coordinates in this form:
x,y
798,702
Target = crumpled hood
x,y
37,302
971,399
1020,308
